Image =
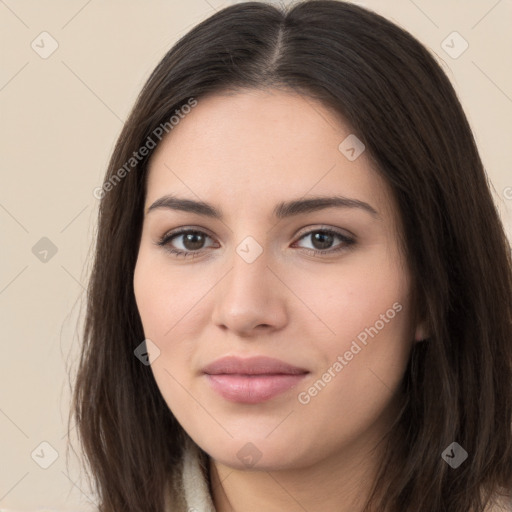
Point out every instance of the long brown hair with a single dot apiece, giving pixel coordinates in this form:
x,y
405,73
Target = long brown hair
x,y
399,102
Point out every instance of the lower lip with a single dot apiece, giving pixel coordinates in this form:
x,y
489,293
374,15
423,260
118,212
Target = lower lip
x,y
252,389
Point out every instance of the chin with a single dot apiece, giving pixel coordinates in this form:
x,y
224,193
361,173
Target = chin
x,y
258,454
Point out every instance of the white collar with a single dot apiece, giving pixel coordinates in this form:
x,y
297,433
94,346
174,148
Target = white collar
x,y
195,483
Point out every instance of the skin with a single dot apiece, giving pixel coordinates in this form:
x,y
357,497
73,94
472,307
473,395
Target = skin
x,y
244,153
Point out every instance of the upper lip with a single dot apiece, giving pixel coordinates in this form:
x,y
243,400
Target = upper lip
x,y
258,365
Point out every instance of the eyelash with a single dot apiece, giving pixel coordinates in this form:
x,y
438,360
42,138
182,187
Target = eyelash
x,y
168,237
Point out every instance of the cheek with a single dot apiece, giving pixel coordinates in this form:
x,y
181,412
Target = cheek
x,y
365,311
167,297
168,304
350,297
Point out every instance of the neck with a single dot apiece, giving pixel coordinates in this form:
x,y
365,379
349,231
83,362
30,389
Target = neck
x,y
340,483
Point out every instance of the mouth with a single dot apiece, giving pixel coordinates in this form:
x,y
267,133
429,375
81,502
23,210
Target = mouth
x,y
252,380
252,389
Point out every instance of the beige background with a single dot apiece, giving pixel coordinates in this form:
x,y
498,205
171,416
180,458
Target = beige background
x,y
60,118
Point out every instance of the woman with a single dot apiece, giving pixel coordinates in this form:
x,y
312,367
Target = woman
x,y
301,296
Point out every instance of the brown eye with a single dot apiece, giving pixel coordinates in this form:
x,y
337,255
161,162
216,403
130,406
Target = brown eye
x,y
324,241
185,242
193,241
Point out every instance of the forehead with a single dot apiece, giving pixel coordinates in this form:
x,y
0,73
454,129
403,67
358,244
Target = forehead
x,y
263,146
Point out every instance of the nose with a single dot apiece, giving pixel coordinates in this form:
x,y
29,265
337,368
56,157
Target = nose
x,y
250,298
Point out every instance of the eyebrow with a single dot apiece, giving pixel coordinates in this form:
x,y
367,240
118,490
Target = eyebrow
x,y
281,210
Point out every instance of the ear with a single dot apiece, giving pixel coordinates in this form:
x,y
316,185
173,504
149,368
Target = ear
x,y
421,333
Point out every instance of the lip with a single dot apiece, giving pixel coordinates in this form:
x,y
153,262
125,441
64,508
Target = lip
x,y
252,380
257,365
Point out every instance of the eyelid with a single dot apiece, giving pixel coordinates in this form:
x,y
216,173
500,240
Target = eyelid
x,y
346,240
185,229
303,231
324,227
168,236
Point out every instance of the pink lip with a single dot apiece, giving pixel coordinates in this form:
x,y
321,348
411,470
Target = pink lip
x,y
252,380
252,389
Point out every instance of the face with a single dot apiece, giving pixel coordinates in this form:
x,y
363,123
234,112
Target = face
x,y
319,286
